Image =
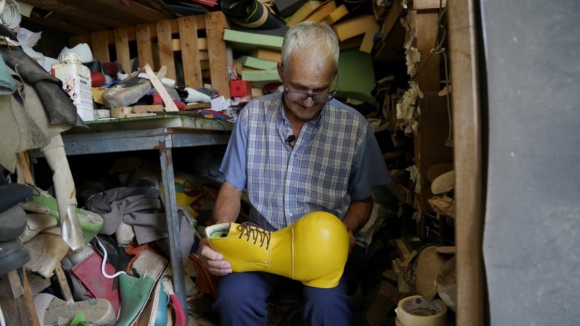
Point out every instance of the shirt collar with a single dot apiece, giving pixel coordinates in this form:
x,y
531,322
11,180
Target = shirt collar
x,y
283,119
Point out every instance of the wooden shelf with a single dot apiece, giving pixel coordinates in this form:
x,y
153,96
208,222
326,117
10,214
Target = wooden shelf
x,y
404,195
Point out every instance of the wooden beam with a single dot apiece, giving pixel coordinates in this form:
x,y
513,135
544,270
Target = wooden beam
x,y
75,15
391,19
165,43
158,6
100,47
57,24
144,46
98,10
21,310
467,131
430,148
428,4
122,49
77,39
190,52
215,23
133,9
402,249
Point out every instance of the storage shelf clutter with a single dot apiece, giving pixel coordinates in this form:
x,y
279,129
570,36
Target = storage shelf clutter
x,y
169,80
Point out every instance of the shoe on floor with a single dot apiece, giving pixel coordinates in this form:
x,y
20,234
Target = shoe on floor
x,y
13,255
12,223
51,310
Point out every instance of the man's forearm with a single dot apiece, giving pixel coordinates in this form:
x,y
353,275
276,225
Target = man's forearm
x,y
358,214
227,205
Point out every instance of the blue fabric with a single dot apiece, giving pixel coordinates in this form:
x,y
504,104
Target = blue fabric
x,y
336,159
242,297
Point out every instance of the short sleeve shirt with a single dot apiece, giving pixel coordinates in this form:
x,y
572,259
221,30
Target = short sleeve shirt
x,y
335,159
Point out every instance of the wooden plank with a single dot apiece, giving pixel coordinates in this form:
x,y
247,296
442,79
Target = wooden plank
x,y
201,44
32,317
57,24
136,9
392,19
10,285
169,104
148,108
190,52
20,311
93,25
391,275
402,249
100,47
159,6
122,48
404,195
144,48
197,106
203,55
98,10
395,266
77,39
200,22
427,4
76,15
121,112
215,23
467,130
38,283
434,126
63,283
23,162
165,47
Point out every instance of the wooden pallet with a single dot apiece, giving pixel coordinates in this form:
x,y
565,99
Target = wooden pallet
x,y
157,42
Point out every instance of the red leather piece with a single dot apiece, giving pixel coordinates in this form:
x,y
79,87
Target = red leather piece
x,y
100,287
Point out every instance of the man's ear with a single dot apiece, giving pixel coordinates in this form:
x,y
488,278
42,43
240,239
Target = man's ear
x,y
280,67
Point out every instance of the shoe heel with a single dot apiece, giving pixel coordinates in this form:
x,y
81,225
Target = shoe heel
x,y
325,282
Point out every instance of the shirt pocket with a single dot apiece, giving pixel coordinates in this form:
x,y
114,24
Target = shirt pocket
x,y
329,184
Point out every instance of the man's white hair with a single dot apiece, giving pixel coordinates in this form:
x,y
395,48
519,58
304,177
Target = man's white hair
x,y
317,42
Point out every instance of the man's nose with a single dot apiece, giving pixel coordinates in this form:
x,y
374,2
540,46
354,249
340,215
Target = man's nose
x,y
308,102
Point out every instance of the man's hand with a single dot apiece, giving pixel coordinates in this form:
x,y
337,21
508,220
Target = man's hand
x,y
212,260
352,241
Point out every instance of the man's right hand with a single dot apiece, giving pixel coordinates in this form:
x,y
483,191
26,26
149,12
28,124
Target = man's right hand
x,y
212,260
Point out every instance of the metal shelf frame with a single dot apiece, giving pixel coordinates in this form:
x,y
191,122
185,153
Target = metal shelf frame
x,y
163,140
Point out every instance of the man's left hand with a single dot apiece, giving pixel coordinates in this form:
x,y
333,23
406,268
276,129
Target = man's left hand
x,y
351,240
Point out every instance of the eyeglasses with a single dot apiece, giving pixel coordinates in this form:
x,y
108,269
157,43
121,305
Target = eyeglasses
x,y
316,97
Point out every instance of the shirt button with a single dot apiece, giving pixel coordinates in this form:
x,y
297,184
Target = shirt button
x,y
290,214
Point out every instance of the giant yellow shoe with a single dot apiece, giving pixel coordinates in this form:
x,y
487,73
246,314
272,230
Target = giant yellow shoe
x,y
313,250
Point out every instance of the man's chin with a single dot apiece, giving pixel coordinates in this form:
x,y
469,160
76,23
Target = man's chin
x,y
306,114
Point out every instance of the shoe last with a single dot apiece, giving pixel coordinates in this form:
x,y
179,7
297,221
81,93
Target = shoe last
x,y
313,250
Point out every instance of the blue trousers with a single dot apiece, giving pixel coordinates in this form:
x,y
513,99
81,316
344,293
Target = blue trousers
x,y
242,296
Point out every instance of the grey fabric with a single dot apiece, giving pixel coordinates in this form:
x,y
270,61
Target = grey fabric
x,y
532,212
55,101
141,208
115,203
186,237
18,132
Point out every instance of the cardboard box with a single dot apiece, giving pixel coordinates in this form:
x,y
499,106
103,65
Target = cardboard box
x,y
240,88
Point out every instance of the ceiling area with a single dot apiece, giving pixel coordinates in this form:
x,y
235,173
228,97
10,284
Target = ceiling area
x,y
74,17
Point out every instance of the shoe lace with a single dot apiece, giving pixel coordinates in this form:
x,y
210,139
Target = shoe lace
x,y
255,232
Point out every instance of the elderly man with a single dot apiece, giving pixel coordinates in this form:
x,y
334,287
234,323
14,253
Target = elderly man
x,y
296,152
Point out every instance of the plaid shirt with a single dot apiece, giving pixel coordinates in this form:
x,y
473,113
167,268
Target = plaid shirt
x,y
335,159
